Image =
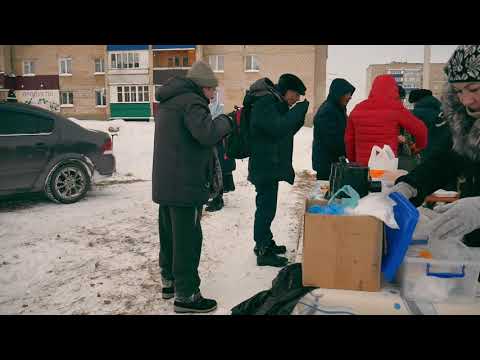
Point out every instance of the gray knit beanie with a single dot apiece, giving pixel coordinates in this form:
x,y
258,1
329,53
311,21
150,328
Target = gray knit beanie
x,y
201,73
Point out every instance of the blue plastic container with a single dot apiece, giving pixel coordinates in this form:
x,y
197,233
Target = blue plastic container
x,y
398,240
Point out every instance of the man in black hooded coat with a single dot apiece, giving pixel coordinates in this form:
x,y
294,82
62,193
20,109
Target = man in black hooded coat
x,y
330,122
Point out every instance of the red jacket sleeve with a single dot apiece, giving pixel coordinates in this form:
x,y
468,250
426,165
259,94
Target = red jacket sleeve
x,y
350,140
416,127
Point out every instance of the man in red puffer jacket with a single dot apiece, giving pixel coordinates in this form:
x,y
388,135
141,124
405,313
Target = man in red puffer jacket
x,y
377,121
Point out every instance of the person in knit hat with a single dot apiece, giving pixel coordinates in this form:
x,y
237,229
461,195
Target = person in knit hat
x,y
183,178
458,157
276,115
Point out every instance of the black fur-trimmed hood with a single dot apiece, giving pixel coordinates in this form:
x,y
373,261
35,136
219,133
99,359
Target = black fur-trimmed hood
x,y
465,129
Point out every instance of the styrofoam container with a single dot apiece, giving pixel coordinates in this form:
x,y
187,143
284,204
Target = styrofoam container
x,y
452,280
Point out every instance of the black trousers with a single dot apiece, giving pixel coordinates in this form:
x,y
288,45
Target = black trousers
x,y
266,201
180,247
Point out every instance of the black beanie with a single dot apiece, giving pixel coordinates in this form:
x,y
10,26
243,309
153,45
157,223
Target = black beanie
x,y
418,94
290,82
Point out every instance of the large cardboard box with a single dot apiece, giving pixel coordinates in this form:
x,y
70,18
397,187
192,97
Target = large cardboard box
x,y
342,252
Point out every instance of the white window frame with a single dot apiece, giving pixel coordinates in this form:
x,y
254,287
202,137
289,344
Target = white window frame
x,y
101,61
31,67
214,62
133,92
66,61
69,104
257,62
103,96
126,58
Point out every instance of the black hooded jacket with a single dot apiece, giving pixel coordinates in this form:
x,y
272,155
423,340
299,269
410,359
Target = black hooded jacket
x,y
329,129
428,109
272,128
185,135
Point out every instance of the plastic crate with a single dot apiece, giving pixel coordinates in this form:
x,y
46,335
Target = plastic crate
x,y
453,280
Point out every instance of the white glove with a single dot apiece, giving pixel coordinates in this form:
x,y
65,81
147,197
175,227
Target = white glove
x,y
458,219
405,189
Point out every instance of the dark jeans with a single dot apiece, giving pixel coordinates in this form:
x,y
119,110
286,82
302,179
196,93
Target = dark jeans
x,y
228,184
266,202
180,247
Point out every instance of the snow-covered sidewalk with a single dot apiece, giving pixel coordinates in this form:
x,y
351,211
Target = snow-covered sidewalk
x,y
100,255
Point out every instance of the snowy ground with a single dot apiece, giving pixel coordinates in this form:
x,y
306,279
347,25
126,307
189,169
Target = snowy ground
x,y
100,255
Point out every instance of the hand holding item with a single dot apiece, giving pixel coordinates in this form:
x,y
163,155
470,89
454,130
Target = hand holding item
x,y
457,220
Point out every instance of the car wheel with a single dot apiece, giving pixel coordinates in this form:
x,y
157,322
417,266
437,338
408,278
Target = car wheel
x,y
68,184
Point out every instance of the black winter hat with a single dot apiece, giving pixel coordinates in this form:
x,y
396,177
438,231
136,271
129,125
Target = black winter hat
x,y
464,65
418,94
290,82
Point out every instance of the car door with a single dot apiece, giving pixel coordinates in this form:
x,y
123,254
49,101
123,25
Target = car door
x,y
27,142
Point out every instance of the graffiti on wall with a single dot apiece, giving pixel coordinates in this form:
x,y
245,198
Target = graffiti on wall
x,y
47,99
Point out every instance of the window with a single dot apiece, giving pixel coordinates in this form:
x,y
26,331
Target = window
x,y
66,98
28,67
136,60
177,61
185,61
216,62
65,66
100,66
17,123
132,94
145,94
100,97
125,60
251,63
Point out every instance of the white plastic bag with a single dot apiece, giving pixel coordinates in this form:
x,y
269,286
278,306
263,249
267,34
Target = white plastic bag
x,y
383,159
378,205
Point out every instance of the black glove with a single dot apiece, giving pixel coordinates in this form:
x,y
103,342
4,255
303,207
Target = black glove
x,y
301,106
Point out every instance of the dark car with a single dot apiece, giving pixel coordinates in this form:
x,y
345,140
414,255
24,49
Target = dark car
x,y
43,151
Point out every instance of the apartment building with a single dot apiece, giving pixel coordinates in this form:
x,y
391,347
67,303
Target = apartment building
x,y
410,76
238,66
119,81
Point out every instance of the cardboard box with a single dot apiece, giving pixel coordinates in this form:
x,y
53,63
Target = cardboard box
x,y
342,252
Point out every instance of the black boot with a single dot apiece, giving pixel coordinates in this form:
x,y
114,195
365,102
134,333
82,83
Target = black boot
x,y
215,205
168,289
276,249
197,304
266,257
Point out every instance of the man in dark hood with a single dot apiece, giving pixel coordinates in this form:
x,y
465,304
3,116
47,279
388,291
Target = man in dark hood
x,y
329,128
276,116
428,109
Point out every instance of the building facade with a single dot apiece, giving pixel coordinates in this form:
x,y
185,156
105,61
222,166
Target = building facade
x,y
410,76
169,61
119,81
129,82
61,78
238,66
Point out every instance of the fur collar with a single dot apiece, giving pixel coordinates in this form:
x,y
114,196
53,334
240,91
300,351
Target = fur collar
x,y
465,128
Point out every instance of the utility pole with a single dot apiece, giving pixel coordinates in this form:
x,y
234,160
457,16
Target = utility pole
x,y
426,66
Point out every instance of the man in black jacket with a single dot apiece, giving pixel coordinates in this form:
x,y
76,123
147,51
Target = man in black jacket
x,y
329,128
273,123
185,135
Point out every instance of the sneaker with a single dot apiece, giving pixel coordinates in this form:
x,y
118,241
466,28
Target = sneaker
x,y
199,305
266,257
168,292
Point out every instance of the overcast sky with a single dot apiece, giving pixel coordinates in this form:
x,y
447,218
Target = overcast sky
x,y
351,61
